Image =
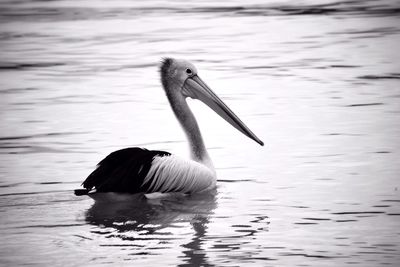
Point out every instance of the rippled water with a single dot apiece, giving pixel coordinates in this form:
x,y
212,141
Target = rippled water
x,y
318,82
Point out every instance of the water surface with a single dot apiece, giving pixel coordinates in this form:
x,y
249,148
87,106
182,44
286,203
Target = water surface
x,y
318,82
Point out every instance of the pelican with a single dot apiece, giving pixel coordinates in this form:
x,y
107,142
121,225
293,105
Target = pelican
x,y
138,170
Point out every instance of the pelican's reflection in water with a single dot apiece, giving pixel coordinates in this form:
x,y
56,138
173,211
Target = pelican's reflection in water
x,y
195,255
139,221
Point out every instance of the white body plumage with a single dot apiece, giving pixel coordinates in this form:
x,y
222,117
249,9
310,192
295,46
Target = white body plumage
x,y
175,174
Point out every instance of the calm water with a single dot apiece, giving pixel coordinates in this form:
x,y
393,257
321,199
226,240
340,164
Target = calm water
x,y
319,83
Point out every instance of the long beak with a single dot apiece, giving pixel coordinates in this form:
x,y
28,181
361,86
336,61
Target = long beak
x,y
196,88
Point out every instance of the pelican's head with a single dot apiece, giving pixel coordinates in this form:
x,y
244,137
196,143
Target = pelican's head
x,y
179,77
174,72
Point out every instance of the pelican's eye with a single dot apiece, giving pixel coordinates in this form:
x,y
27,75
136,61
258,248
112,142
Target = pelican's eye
x,y
188,71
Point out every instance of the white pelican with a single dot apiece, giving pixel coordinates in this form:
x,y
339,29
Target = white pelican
x,y
138,170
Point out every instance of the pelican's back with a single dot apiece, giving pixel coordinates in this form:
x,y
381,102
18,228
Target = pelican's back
x,y
123,171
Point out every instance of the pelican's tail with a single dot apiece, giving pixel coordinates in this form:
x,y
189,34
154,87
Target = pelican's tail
x,y
81,192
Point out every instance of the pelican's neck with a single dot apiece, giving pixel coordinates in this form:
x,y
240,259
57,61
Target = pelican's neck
x,y
190,127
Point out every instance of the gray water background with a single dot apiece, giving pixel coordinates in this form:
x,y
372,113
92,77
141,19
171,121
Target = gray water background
x,y
317,81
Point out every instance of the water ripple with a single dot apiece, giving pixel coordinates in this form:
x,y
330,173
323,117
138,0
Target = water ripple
x,y
55,13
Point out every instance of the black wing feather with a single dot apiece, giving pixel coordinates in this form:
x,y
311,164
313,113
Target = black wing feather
x,y
123,171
